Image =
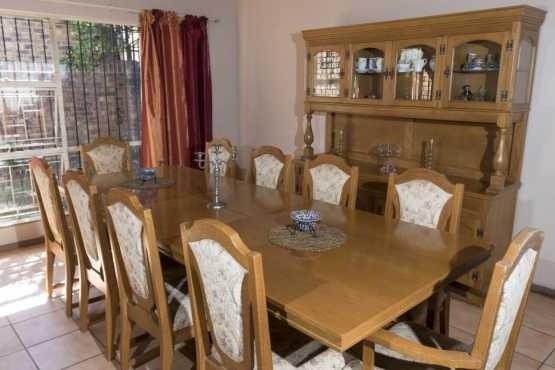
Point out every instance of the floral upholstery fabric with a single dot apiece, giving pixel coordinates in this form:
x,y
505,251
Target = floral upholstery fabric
x,y
421,202
222,278
327,183
513,293
267,170
129,232
179,304
81,207
107,158
43,183
224,156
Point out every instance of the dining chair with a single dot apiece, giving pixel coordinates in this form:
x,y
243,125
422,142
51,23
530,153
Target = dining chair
x,y
105,155
330,179
228,296
58,241
229,166
405,346
96,265
425,197
159,307
271,168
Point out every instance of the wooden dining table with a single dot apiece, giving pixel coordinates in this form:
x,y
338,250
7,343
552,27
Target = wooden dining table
x,y
338,297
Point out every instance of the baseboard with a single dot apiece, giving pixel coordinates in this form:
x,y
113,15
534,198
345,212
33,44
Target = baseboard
x,y
21,244
548,292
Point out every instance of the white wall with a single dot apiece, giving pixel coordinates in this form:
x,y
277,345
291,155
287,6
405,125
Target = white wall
x,y
223,39
272,87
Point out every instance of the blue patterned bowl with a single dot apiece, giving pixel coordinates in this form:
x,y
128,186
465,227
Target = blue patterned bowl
x,y
147,174
305,219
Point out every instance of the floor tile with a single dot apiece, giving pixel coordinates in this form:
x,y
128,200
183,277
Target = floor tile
x,y
534,344
45,327
9,343
461,335
180,362
64,351
521,362
545,367
17,361
4,321
540,314
464,316
43,306
23,255
96,363
551,359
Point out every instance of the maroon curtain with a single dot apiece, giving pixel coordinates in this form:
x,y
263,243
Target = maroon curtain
x,y
198,83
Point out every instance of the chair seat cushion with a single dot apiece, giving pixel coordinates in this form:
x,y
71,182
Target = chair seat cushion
x,y
388,359
179,304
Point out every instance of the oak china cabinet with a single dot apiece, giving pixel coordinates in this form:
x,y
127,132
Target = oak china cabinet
x,y
464,80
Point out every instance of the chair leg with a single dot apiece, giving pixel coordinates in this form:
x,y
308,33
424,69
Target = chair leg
x,y
83,301
111,312
50,257
69,280
166,351
368,356
445,314
125,344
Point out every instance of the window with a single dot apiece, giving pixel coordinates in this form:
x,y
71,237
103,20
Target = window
x,y
62,84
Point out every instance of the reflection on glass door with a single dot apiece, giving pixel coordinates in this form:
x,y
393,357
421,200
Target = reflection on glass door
x,y
327,74
368,74
476,66
414,80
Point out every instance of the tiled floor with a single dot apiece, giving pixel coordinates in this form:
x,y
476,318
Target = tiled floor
x,y
36,334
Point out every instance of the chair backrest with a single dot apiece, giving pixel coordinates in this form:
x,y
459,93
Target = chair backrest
x,y
424,197
330,179
506,300
89,230
50,202
271,168
228,297
105,155
229,167
136,258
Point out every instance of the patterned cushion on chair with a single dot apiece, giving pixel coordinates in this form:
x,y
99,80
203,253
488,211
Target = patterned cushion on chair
x,y
107,158
418,334
43,183
267,170
179,304
81,207
327,183
421,202
222,279
224,156
129,232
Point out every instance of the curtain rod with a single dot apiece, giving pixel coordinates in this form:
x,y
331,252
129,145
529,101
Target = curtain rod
x,y
127,10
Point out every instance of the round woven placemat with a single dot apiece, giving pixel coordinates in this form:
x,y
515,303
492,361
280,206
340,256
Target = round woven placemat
x,y
326,238
138,184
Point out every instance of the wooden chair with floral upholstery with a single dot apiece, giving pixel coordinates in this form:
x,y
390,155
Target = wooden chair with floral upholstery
x,y
230,316
271,168
229,167
427,198
408,346
330,179
96,265
159,307
105,155
58,239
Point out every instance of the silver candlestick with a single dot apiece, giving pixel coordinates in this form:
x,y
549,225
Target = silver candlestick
x,y
214,163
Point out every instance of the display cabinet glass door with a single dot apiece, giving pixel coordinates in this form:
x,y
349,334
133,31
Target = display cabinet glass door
x,y
326,66
369,73
524,69
415,72
475,71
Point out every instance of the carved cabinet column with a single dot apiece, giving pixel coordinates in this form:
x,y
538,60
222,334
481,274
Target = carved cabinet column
x,y
501,157
308,138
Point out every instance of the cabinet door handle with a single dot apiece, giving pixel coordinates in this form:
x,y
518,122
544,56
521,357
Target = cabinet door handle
x,y
447,72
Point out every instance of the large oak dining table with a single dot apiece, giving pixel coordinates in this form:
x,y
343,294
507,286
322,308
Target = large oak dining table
x,y
339,296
